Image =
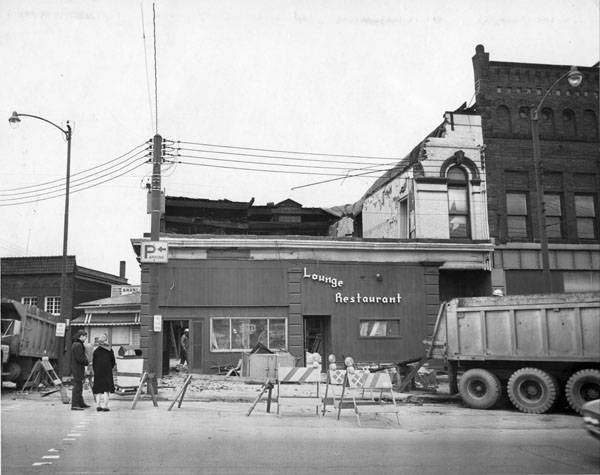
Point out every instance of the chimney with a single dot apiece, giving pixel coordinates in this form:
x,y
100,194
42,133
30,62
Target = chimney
x,y
122,269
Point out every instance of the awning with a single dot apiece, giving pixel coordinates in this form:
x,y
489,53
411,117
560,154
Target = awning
x,y
107,319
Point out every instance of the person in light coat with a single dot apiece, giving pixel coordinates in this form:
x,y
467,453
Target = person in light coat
x,y
103,363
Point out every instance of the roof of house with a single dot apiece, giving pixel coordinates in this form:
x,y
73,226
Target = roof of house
x,y
54,265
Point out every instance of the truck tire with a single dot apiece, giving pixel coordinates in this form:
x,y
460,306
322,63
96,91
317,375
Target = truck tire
x,y
582,386
479,388
532,390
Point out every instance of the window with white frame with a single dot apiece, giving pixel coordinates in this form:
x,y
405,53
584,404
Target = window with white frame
x,y
52,305
29,300
380,328
242,334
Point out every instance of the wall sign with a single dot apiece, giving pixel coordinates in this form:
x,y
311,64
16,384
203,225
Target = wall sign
x,y
326,279
360,298
356,298
157,327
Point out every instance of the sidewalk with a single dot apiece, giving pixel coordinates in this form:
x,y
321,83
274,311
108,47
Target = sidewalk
x,y
209,388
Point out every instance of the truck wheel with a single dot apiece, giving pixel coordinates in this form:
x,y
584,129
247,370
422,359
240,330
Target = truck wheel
x,y
582,386
479,388
532,390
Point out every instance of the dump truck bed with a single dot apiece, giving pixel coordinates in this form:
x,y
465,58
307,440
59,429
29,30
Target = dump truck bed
x,y
539,327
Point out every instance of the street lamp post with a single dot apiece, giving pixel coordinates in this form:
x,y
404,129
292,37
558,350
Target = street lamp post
x,y
14,120
574,78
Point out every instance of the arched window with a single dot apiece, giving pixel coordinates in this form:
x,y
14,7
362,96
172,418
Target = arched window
x,y
522,125
547,129
502,123
568,123
590,125
458,202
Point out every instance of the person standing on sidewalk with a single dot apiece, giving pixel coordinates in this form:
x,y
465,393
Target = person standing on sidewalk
x,y
78,364
103,363
185,344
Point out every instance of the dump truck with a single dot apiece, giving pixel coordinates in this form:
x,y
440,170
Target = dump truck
x,y
28,334
533,348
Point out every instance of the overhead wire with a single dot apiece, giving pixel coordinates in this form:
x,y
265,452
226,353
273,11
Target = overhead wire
x,y
61,193
146,67
368,157
4,190
253,162
278,157
155,69
273,171
75,183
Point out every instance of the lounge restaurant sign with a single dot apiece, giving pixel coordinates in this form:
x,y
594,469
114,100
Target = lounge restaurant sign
x,y
350,298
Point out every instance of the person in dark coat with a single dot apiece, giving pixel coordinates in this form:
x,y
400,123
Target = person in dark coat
x,y
185,346
78,364
103,363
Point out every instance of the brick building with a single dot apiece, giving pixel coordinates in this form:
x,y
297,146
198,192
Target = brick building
x,y
36,281
506,92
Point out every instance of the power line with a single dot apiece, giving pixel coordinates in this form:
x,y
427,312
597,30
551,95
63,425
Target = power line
x,y
266,163
75,174
278,157
74,191
287,151
155,69
146,68
274,171
78,182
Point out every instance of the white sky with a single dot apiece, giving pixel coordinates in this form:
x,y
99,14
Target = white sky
x,y
341,77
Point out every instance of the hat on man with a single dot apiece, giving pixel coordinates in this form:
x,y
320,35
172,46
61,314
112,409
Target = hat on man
x,y
186,330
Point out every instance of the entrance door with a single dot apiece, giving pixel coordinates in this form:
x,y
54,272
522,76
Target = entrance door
x,y
195,357
172,332
317,338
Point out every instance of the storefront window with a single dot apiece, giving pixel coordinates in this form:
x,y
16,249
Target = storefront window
x,y
380,328
242,334
120,336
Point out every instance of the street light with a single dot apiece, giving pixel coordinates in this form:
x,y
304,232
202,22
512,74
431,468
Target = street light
x,y
14,121
574,77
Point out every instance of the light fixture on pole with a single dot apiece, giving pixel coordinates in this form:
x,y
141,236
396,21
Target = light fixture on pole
x,y
14,121
574,77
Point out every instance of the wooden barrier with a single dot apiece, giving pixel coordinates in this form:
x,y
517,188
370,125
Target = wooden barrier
x,y
299,376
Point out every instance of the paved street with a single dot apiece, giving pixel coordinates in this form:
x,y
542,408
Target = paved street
x,y
44,436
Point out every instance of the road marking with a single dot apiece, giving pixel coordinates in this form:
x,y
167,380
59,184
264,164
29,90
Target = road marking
x,y
36,464
52,450
73,435
69,438
51,457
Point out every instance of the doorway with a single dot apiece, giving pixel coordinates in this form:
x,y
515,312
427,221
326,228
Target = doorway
x,y
317,336
172,333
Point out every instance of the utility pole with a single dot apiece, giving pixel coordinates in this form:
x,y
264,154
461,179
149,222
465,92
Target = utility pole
x,y
155,343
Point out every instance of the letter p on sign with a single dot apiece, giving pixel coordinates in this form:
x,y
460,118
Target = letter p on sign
x,y
154,252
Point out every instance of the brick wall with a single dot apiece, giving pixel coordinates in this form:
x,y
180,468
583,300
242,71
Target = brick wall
x,y
570,151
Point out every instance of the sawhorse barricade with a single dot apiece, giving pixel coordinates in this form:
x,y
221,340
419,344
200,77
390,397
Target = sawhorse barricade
x,y
351,382
365,380
42,372
289,375
151,388
299,376
181,392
